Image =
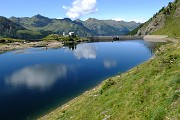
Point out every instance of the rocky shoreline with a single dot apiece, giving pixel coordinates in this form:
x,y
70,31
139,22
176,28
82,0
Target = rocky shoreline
x,y
23,45
56,44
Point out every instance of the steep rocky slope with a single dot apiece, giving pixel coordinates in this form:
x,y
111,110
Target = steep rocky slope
x,y
165,22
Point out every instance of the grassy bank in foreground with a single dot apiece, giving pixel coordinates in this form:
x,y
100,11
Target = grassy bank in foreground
x,y
148,91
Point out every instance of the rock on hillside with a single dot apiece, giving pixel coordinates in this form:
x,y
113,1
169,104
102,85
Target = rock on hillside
x,y
166,21
155,24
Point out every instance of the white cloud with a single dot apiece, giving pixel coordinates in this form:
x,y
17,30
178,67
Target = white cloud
x,y
80,8
59,18
85,51
129,20
37,76
138,20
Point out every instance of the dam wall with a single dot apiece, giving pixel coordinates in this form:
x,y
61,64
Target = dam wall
x,y
113,38
153,38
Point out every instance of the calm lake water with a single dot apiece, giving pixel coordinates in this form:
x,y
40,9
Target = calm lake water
x,y
34,81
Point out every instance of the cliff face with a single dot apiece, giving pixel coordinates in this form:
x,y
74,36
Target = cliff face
x,y
153,25
165,22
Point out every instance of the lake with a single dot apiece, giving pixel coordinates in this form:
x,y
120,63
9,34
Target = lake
x,y
35,81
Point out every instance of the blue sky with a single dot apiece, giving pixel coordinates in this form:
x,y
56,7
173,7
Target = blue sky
x,y
128,10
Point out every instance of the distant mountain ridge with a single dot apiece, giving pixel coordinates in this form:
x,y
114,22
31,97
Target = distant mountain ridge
x,y
90,27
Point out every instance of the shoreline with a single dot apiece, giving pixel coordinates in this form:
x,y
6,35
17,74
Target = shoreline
x,y
92,91
24,45
4,47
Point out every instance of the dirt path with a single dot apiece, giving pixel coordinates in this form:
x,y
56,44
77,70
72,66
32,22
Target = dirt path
x,y
155,38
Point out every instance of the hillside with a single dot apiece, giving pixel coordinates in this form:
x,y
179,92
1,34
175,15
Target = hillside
x,y
9,28
165,22
90,27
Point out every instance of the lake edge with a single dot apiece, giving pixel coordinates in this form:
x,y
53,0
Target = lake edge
x,y
65,107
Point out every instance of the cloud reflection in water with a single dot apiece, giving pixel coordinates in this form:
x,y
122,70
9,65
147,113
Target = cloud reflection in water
x,y
37,76
110,63
85,51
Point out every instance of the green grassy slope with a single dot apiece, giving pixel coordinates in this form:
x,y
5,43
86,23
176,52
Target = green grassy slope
x,y
149,91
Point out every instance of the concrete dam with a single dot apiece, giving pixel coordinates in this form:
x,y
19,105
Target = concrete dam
x,y
155,38
113,38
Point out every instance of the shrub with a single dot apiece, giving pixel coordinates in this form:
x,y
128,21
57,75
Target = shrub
x,y
106,85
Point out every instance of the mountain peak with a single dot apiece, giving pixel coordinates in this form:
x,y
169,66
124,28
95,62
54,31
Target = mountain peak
x,y
78,20
67,19
40,17
91,19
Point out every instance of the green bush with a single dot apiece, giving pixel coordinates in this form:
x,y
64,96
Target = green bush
x,y
106,85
